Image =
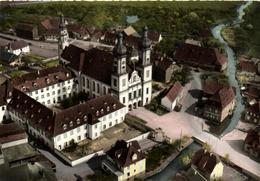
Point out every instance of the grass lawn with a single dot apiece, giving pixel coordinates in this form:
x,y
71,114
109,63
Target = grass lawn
x,y
52,63
158,154
32,59
16,73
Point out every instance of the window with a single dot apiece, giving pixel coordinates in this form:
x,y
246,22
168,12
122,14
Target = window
x,y
130,95
42,96
36,92
114,82
49,101
47,88
3,108
147,73
59,91
78,129
123,82
98,88
96,126
134,94
58,138
41,90
79,138
64,89
93,86
48,94
104,126
104,90
110,124
123,100
147,90
83,81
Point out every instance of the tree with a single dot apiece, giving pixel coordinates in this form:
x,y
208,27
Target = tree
x,y
207,147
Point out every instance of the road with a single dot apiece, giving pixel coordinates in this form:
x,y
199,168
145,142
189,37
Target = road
x,y
49,49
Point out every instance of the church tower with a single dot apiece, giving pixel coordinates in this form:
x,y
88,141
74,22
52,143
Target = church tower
x,y
145,66
119,77
63,37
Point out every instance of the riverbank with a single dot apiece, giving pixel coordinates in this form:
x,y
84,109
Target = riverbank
x,y
167,161
245,38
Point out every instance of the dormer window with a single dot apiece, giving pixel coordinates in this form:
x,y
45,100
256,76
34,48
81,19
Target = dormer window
x,y
17,106
56,77
32,106
40,120
32,116
25,101
97,113
49,128
78,121
134,157
85,118
47,80
108,108
71,123
64,126
67,74
114,106
39,110
102,111
26,111
34,84
18,97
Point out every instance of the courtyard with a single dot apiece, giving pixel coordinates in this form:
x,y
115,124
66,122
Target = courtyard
x,y
104,142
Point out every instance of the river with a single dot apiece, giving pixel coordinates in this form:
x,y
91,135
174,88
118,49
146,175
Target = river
x,y
170,171
231,69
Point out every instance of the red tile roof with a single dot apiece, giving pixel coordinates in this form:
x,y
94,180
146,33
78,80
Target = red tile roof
x,y
122,153
211,86
174,91
248,66
50,23
18,44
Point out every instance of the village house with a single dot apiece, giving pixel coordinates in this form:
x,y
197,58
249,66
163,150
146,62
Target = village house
x,y
8,58
200,57
18,47
130,83
58,130
252,142
49,29
207,165
11,135
251,95
172,97
125,160
26,30
248,70
252,114
163,68
77,31
219,100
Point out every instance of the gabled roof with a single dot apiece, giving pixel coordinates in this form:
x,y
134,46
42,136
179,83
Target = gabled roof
x,y
211,86
154,36
253,139
248,66
205,162
174,91
25,26
52,123
42,78
129,31
18,44
11,132
122,153
161,62
93,60
50,23
7,56
199,55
